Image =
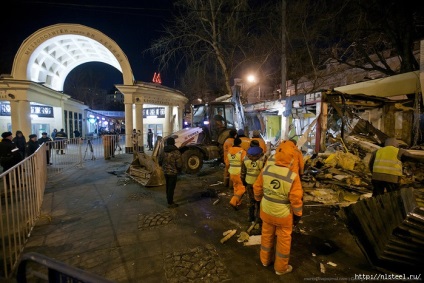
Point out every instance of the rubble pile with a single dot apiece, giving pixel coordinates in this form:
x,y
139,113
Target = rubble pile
x,y
341,174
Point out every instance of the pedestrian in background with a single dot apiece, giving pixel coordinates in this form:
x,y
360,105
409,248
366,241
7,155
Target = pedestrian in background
x,y
235,159
250,169
48,144
77,133
9,152
280,192
20,142
31,145
150,139
171,162
53,135
387,168
60,137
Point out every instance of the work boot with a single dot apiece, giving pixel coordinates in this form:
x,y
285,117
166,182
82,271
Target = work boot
x,y
289,269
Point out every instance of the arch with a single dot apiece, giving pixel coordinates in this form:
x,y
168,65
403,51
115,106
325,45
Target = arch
x,y
51,53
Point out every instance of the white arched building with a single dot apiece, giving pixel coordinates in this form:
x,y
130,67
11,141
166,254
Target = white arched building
x,y
32,98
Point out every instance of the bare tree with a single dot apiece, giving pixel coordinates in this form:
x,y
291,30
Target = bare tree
x,y
208,35
373,29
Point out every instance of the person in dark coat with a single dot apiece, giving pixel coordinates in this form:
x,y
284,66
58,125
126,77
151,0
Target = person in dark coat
x,y
61,137
31,145
45,139
171,163
53,135
150,139
20,142
9,152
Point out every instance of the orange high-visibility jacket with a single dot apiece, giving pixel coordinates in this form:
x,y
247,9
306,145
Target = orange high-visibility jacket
x,y
297,165
235,159
245,143
229,142
288,199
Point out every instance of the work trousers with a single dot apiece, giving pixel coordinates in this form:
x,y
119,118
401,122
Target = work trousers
x,y
280,233
379,186
171,183
238,188
254,205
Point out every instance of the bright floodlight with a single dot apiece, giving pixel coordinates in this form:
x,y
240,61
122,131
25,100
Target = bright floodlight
x,y
251,78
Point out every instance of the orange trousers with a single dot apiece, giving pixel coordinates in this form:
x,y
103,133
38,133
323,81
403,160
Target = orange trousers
x,y
239,190
280,234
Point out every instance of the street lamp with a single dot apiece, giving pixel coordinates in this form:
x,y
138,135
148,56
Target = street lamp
x,y
252,79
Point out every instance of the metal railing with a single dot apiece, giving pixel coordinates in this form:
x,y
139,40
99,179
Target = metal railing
x,y
22,188
53,271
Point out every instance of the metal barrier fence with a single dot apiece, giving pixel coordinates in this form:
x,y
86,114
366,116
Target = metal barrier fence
x,y
54,271
22,188
74,152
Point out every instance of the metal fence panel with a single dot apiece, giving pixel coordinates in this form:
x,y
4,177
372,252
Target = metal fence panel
x,y
22,187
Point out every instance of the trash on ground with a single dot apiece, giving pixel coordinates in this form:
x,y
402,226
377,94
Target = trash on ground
x,y
228,234
253,241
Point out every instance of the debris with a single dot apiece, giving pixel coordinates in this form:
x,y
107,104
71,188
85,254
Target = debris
x,y
216,184
251,227
322,267
253,241
331,263
216,202
314,254
243,237
228,234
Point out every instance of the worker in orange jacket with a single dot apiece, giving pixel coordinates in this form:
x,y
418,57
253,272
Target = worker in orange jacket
x,y
280,191
229,142
257,136
245,141
235,159
250,169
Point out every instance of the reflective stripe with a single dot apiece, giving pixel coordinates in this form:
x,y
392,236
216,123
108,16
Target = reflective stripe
x,y
270,160
282,255
277,176
235,162
265,249
297,209
386,161
282,201
253,169
277,183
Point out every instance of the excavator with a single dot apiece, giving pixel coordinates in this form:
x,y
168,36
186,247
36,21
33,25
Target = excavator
x,y
202,140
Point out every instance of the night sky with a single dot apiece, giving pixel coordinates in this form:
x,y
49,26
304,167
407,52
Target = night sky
x,y
131,24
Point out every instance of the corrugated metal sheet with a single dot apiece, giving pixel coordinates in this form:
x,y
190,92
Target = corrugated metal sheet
x,y
389,230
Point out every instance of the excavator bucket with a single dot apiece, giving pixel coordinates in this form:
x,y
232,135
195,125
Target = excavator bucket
x,y
145,169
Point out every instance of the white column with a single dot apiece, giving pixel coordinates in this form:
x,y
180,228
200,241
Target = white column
x,y
167,126
20,112
180,117
139,123
128,127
